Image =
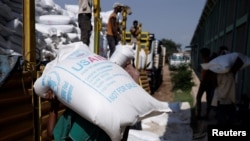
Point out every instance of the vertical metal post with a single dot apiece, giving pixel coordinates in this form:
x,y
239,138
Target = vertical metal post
x,y
138,47
97,25
29,51
29,47
123,25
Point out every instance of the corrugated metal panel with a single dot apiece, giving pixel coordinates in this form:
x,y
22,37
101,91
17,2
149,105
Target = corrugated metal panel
x,y
16,116
232,29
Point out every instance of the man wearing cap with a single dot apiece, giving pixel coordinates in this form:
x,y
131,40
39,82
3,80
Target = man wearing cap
x,y
113,30
134,30
84,20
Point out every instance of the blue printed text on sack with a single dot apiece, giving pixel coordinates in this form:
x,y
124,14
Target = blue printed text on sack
x,y
87,61
120,90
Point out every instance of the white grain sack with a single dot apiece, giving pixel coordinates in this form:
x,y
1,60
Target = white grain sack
x,y
97,89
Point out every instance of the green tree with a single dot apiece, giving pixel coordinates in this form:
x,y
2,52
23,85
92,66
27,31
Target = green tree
x,y
182,79
171,47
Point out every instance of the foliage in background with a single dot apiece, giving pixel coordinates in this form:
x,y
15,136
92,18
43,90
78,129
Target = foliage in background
x,y
182,85
182,79
171,47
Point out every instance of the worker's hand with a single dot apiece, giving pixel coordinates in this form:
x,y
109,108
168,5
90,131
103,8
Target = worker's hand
x,y
53,113
237,65
49,95
53,101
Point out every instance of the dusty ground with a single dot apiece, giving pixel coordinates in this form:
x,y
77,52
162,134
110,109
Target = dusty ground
x,y
164,93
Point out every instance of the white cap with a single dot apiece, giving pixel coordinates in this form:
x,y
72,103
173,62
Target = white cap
x,y
117,4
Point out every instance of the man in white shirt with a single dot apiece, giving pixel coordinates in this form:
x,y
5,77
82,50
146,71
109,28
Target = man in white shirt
x,y
84,20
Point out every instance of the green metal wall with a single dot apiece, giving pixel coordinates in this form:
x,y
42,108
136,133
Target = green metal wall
x,y
224,22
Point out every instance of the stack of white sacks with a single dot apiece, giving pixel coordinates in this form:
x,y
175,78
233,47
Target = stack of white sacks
x,y
54,26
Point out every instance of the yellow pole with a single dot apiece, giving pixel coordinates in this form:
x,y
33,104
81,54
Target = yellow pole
x,y
29,53
97,25
147,50
29,47
138,47
123,25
